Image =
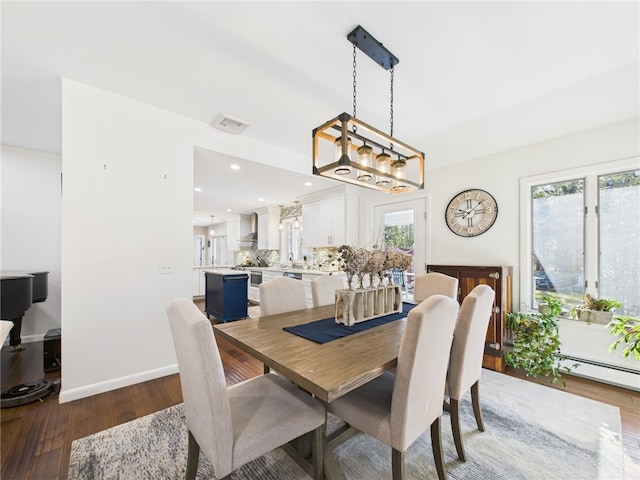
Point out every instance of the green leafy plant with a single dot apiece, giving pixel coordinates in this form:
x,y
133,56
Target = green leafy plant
x,y
592,304
554,306
627,329
536,344
599,304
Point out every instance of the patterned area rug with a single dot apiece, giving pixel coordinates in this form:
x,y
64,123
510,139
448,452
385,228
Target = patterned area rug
x,y
532,432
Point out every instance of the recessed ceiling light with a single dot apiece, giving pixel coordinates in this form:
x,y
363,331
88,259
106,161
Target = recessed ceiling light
x,y
197,189
261,199
235,167
229,210
307,184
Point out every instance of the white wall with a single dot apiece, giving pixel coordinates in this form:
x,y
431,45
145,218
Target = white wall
x,y
30,229
128,206
499,174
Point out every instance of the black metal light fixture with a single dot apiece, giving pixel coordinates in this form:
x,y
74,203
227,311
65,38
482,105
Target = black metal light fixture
x,y
350,150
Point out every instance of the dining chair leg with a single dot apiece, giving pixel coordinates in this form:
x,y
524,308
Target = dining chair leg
x,y
475,400
318,452
193,453
454,413
397,464
436,445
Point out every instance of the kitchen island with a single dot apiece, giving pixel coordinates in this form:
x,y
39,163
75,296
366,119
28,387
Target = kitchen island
x,y
226,294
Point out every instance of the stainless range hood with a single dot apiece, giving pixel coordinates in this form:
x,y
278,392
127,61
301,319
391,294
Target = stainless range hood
x,y
252,236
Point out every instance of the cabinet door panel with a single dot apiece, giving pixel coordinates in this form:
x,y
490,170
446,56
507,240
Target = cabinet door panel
x,y
310,225
325,222
499,279
337,218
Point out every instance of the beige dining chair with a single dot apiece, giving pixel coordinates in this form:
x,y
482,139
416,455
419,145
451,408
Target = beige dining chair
x,y
433,283
282,295
397,409
323,289
237,424
465,366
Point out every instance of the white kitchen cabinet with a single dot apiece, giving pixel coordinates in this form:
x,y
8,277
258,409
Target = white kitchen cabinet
x,y
195,282
310,231
331,221
268,232
254,294
198,282
268,275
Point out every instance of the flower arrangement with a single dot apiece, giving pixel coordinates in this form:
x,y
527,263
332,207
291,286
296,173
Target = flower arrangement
x,y
361,261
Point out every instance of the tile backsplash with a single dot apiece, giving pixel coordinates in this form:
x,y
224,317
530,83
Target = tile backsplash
x,y
326,257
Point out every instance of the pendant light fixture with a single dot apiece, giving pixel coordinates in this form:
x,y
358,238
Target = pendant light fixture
x,y
349,150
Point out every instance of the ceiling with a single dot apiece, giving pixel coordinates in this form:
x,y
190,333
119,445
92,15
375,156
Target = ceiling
x,y
474,78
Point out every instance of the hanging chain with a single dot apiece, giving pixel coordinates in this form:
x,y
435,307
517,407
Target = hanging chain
x,y
354,85
391,108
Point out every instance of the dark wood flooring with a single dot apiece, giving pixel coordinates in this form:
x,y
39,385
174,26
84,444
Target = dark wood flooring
x,y
36,438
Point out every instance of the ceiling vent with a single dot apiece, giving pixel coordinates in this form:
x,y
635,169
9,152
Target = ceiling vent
x,y
228,124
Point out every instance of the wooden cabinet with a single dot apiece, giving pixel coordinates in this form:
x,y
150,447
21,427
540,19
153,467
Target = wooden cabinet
x,y
268,232
331,221
500,279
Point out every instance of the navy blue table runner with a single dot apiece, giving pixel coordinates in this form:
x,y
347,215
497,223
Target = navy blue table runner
x,y
326,330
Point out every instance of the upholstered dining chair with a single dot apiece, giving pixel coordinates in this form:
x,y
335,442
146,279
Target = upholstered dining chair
x,y
397,409
282,295
465,365
237,424
433,283
323,289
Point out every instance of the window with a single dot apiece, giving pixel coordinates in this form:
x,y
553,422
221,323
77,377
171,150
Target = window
x,y
619,238
581,235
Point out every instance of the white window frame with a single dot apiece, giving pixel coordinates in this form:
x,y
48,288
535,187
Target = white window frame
x,y
590,174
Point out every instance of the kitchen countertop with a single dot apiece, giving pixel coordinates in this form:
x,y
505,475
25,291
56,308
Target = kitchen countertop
x,y
225,271
295,270
228,270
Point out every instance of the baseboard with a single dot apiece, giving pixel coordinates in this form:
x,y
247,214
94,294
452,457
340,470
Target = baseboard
x,y
69,395
27,339
625,378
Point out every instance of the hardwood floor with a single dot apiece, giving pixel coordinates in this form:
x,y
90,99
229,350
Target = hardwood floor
x,y
36,438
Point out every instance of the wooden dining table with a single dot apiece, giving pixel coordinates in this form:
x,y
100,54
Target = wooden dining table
x,y
327,370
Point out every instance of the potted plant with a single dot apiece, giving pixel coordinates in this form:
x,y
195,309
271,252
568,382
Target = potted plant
x,y
595,310
535,347
627,329
550,305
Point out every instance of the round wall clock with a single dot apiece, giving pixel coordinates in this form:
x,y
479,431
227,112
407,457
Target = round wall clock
x,y
471,213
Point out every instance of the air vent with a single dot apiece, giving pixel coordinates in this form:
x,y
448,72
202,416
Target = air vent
x,y
229,124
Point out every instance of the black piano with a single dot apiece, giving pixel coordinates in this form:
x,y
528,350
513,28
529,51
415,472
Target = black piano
x,y
18,291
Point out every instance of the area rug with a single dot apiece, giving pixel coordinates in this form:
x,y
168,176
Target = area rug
x,y
531,432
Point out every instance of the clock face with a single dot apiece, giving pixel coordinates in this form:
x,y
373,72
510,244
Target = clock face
x,y
471,213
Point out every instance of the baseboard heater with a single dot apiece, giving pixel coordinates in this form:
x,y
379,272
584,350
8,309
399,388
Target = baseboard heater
x,y
603,365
